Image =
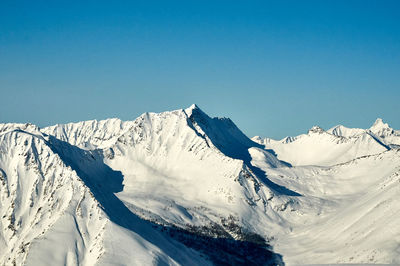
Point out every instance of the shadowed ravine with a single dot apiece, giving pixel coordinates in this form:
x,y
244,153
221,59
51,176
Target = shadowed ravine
x,y
104,182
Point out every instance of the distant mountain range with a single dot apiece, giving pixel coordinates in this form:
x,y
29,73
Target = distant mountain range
x,y
336,145
182,188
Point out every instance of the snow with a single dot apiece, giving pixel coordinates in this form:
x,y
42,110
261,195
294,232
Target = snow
x,y
89,134
51,217
381,130
170,188
320,147
359,220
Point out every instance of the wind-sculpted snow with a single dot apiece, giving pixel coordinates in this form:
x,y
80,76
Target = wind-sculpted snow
x,y
181,187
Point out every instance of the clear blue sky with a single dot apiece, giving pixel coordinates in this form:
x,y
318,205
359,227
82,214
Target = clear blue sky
x,y
276,68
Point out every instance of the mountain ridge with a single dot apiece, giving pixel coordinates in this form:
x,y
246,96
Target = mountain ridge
x,y
378,138
180,187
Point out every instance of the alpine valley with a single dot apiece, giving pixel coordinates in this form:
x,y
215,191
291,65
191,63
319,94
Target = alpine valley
x,y
182,188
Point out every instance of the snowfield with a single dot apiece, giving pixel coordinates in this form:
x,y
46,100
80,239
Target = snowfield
x,y
182,188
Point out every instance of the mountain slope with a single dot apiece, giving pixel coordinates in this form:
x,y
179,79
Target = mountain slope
x,y
181,187
325,148
382,131
357,220
51,217
157,235
41,201
89,134
182,163
201,174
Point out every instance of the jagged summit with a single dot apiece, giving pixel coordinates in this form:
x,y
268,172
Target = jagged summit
x,y
192,107
316,129
21,126
90,134
195,111
379,123
343,131
221,132
380,128
336,145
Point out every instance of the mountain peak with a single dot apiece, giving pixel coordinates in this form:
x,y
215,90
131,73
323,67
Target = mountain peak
x,y
194,108
379,124
379,127
316,129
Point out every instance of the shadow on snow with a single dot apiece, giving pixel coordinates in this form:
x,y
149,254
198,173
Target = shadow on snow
x,y
103,182
228,138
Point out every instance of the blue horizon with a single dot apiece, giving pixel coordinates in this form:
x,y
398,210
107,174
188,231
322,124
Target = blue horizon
x,y
275,69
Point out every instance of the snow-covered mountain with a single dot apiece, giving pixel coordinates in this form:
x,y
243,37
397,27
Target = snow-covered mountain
x,y
90,135
380,130
54,214
181,187
336,145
